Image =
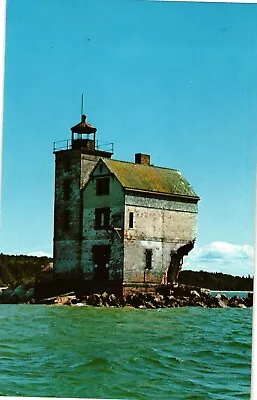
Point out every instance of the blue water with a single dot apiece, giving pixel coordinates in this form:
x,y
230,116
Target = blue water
x,y
242,294
178,353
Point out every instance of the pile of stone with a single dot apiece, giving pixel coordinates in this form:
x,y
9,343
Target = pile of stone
x,y
194,299
17,295
98,300
181,296
165,297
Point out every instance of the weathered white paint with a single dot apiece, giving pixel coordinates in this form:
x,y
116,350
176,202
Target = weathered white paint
x,y
113,236
161,224
161,202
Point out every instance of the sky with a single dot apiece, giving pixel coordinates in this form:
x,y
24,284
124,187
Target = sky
x,y
175,80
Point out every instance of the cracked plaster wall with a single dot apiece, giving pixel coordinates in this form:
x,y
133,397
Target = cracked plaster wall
x,y
159,225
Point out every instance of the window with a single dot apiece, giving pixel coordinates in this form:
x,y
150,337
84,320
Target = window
x,y
67,189
148,258
66,220
102,186
131,220
67,164
102,218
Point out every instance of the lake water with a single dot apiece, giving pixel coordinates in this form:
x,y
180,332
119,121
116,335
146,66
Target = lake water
x,y
242,294
177,353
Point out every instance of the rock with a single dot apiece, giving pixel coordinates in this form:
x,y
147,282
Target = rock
x,y
220,301
194,293
241,305
134,300
165,290
149,305
205,292
94,300
7,297
82,299
235,301
249,301
222,296
57,302
181,290
158,301
122,302
183,301
112,300
105,297
149,297
67,302
250,295
30,294
170,301
221,304
200,304
191,296
20,293
186,290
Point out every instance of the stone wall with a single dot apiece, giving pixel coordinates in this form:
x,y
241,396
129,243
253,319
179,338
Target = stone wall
x,y
161,227
72,169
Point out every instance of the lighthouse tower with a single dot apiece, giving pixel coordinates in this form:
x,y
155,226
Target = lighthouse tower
x,y
74,160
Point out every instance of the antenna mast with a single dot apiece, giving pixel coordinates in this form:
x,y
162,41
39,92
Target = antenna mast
x,y
82,105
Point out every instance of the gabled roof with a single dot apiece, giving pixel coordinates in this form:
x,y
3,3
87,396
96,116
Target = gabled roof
x,y
148,178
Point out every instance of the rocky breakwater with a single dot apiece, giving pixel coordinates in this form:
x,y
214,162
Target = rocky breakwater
x,y
180,296
20,294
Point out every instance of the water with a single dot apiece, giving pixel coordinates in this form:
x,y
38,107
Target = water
x,y
179,353
242,294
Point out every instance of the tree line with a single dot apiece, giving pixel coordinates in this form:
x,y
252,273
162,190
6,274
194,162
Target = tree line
x,y
21,269
216,280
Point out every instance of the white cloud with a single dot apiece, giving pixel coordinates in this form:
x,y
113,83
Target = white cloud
x,y
222,257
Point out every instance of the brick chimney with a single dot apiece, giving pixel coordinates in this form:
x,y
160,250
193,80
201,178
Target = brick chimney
x,y
143,159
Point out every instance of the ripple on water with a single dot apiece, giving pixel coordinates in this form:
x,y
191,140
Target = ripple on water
x,y
125,353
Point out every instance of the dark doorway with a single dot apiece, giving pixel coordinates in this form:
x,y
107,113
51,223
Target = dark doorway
x,y
101,273
101,257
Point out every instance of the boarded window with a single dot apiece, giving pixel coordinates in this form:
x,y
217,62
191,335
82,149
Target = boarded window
x,y
67,189
102,186
102,218
131,220
67,164
66,220
148,258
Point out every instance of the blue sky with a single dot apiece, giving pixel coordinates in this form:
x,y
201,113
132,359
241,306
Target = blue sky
x,y
176,80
